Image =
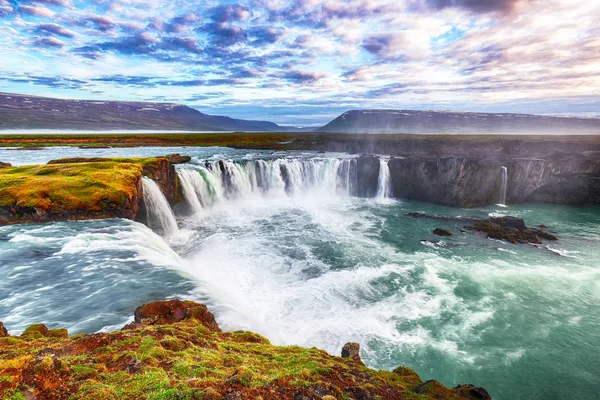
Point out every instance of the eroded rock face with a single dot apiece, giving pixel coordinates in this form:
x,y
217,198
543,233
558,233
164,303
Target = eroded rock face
x,y
471,181
352,350
172,311
367,176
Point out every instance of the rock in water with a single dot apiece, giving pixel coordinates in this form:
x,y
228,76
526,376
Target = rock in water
x,y
441,232
511,229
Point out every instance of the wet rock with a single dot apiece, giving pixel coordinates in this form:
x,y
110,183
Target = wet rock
x,y
511,229
3,331
441,232
509,222
178,158
5,165
171,311
473,392
352,350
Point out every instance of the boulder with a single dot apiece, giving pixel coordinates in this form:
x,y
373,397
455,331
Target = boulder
x,y
441,232
3,331
5,165
171,311
473,392
510,229
352,350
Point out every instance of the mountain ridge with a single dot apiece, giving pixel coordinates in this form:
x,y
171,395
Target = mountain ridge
x,y
20,111
453,122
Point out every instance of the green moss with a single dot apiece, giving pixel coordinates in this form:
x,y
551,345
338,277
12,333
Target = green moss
x,y
186,361
82,186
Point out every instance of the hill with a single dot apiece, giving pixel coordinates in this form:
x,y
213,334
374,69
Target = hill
x,y
414,121
32,112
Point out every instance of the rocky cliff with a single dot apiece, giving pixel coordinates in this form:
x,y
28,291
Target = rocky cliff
x,y
82,188
176,350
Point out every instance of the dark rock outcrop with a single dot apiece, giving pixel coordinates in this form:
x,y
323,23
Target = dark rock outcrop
x,y
5,165
442,232
352,350
511,229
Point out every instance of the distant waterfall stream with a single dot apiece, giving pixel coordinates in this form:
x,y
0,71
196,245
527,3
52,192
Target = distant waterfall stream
x,y
503,184
157,207
384,181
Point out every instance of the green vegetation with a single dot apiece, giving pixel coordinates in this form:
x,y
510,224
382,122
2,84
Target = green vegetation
x,y
87,186
189,360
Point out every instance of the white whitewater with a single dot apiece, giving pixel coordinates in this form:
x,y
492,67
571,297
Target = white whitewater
x,y
158,208
205,186
503,185
384,181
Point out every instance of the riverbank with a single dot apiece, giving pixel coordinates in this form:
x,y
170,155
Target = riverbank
x,y
176,350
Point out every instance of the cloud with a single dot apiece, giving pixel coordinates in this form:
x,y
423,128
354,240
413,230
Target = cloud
x,y
36,11
101,23
143,43
476,5
230,12
182,23
54,29
303,77
51,42
224,34
265,34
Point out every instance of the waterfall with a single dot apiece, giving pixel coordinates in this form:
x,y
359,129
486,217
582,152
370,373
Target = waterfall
x,y
225,179
384,181
503,184
157,207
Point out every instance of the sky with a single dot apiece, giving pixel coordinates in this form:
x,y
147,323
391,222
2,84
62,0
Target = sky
x,y
304,62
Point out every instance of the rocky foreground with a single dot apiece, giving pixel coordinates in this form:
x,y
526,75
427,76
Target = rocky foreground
x,y
175,350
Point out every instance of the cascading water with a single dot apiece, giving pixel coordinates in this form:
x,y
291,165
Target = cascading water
x,y
205,185
384,181
158,208
503,184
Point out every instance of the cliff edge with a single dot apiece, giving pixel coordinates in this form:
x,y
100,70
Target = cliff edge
x,y
176,350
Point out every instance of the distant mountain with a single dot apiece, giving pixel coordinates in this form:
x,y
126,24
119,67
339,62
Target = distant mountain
x,y
31,112
412,121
